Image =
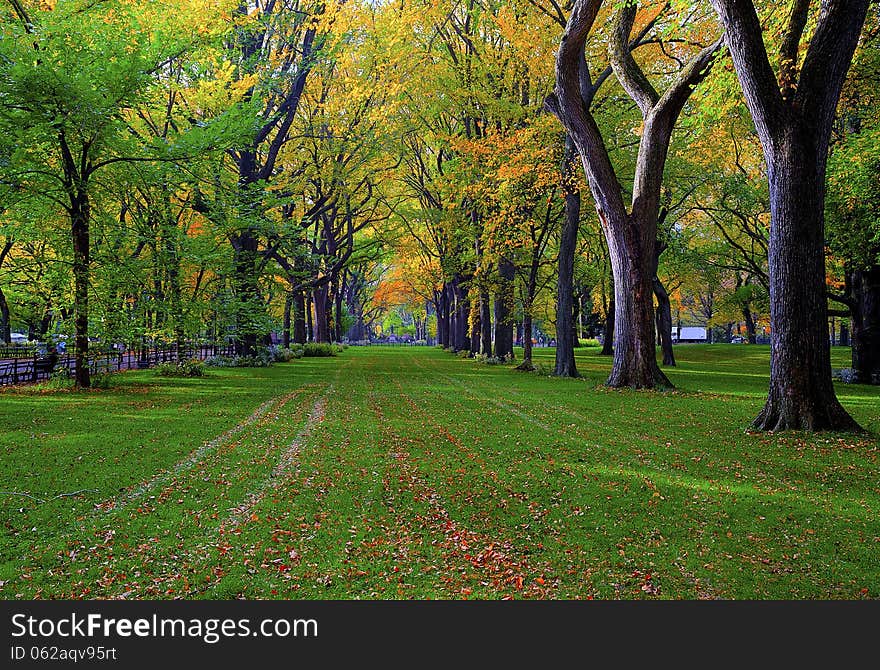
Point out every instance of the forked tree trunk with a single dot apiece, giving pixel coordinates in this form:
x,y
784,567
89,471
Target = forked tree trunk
x,y
793,118
630,232
566,330
865,289
801,393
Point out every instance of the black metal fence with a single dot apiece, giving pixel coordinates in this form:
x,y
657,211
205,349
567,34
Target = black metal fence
x,y
35,367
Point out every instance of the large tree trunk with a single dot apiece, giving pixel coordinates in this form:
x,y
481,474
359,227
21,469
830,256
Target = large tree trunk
x,y
322,316
865,291
461,310
504,310
631,235
793,118
566,329
299,317
248,306
634,362
441,303
801,393
664,322
79,220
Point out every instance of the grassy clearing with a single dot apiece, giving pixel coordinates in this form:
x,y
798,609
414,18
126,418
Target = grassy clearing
x,y
409,473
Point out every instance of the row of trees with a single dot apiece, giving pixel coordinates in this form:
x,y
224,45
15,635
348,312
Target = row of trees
x,y
230,169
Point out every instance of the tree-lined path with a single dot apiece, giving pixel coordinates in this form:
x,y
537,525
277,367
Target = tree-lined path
x,y
407,473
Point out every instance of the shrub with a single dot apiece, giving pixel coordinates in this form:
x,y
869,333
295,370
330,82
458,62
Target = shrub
x,y
192,367
258,361
543,369
102,380
464,353
60,379
281,354
319,349
590,343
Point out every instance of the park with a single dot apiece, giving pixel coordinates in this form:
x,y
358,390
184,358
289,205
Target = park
x,y
439,299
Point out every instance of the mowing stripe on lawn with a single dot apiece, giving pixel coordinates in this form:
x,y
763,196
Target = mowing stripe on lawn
x,y
288,457
270,407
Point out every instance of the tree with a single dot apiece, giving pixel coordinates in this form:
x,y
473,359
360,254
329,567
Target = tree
x,y
70,84
631,233
793,115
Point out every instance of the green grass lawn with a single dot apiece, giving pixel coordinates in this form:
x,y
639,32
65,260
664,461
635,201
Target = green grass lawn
x,y
409,473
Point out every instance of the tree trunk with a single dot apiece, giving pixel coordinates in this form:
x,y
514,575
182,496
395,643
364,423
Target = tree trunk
x,y
248,306
527,364
566,328
751,331
504,311
322,318
5,320
79,220
475,326
461,309
285,330
608,331
801,393
865,289
664,322
635,356
441,302
794,123
337,319
299,317
485,325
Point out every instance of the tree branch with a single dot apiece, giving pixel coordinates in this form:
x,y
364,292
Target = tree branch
x,y
744,38
628,72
